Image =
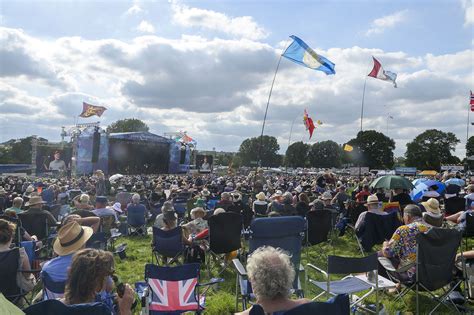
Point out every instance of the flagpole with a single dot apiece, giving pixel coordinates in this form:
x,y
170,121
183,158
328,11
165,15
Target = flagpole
x,y
266,111
362,110
467,125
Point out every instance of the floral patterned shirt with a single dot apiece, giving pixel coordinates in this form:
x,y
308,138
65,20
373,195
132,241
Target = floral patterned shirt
x,y
402,245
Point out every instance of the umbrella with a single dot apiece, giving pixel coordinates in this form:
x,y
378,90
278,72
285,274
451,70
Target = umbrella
x,y
423,186
392,182
115,177
455,181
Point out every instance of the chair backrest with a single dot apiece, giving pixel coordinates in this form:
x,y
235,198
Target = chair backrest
x,y
377,228
454,204
280,232
57,307
224,232
338,305
436,253
107,222
469,229
260,209
8,272
168,243
173,289
52,289
319,225
347,265
136,217
98,240
55,209
29,247
354,210
35,223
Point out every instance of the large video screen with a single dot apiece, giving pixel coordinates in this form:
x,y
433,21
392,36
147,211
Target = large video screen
x,y
50,158
204,163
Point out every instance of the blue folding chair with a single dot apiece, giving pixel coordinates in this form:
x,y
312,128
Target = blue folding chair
x,y
56,307
285,233
180,206
167,244
173,289
338,305
52,289
136,222
211,204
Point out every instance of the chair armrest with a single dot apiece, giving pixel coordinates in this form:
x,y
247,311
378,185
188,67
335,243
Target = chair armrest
x,y
301,269
311,266
211,282
387,264
239,267
29,271
406,267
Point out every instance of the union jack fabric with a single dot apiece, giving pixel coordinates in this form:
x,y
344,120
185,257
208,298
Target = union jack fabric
x,y
173,295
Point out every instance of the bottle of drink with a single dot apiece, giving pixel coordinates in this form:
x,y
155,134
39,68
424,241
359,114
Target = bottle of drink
x,y
120,289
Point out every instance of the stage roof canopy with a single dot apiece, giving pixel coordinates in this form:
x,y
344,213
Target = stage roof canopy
x,y
140,136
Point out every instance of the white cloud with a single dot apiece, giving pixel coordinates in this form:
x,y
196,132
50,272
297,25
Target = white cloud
x,y
145,27
469,12
217,89
379,25
242,26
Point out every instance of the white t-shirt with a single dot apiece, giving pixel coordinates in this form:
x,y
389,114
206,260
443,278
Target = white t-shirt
x,y
57,165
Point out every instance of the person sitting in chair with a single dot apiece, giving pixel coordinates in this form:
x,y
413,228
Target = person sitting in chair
x,y
373,206
88,275
25,281
433,215
271,273
401,249
460,217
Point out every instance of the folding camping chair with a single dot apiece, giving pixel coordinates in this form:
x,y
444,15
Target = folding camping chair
x,y
260,210
319,226
180,206
435,259
349,284
224,235
8,273
173,289
51,289
454,205
469,229
286,233
57,307
338,305
167,244
108,226
376,229
136,222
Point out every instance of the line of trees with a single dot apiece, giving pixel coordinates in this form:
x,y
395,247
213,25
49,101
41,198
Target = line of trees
x,y
428,150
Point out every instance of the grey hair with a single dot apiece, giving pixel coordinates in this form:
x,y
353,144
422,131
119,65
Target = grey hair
x,y
225,196
271,273
136,198
287,197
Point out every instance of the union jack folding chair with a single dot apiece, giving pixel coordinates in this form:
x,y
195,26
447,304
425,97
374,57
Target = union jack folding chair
x,y
174,289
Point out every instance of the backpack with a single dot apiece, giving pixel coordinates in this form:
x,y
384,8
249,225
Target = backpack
x,y
194,254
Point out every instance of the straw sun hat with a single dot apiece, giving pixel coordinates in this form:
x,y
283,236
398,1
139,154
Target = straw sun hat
x,y
71,237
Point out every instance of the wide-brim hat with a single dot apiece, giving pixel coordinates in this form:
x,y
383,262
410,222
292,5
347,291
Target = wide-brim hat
x,y
71,237
30,189
261,196
372,199
34,200
205,192
432,205
326,196
117,207
196,211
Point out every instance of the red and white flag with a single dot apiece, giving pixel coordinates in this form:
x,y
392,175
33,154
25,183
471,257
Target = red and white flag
x,y
379,73
472,102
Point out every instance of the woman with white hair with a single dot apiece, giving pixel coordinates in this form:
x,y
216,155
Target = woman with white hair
x,y
135,205
271,273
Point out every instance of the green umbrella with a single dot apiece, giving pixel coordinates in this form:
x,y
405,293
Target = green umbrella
x,y
392,182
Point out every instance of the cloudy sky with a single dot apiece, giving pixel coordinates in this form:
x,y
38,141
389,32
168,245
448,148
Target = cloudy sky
x,y
206,67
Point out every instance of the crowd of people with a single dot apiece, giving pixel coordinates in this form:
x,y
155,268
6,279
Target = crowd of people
x,y
73,207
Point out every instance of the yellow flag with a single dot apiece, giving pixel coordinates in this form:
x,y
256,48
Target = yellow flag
x,y
348,148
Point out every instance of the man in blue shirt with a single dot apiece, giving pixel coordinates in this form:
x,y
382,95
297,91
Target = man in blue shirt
x,y
71,238
101,209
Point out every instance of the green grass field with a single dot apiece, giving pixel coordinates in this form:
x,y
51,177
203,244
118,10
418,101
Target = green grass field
x,y
221,299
